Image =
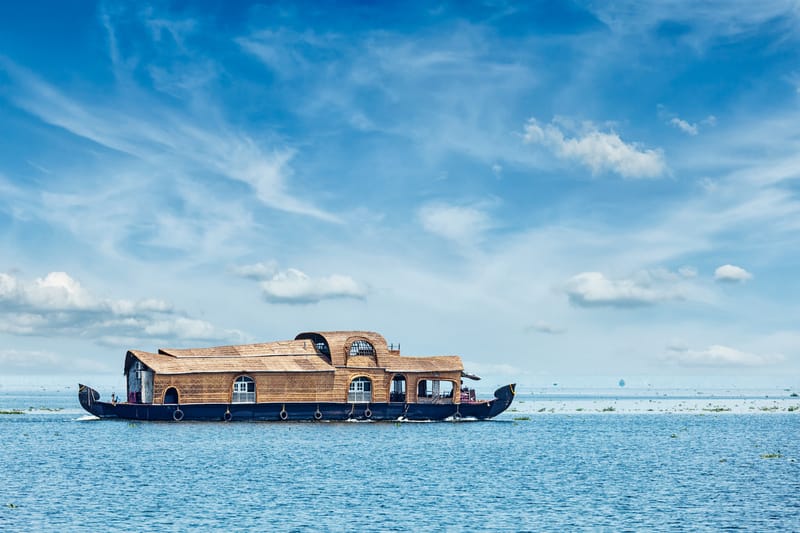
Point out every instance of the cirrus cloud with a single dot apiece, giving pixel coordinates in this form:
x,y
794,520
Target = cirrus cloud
x,y
460,224
718,355
545,327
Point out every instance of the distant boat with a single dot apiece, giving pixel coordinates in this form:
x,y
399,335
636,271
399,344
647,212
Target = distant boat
x,y
339,375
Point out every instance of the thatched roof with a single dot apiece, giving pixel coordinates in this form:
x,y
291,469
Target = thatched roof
x,y
168,364
439,363
301,347
299,355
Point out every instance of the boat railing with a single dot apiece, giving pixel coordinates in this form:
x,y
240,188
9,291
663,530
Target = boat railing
x,y
468,395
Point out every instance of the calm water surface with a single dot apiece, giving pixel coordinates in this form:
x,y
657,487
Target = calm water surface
x,y
611,472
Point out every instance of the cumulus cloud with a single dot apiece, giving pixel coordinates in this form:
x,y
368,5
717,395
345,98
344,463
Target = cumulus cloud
x,y
732,274
692,128
717,355
58,305
59,292
461,224
257,271
292,286
594,289
544,327
685,127
600,151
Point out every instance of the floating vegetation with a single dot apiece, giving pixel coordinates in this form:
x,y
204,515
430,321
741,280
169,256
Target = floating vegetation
x,y
771,455
50,409
12,506
542,410
12,412
723,460
793,395
772,408
673,436
579,408
792,408
522,418
717,409
608,409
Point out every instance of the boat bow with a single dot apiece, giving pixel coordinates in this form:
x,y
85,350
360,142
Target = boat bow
x,y
90,401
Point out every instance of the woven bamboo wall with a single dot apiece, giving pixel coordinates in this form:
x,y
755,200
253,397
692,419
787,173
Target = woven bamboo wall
x,y
291,387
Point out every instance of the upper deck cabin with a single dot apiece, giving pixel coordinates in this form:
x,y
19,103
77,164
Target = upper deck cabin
x,y
333,366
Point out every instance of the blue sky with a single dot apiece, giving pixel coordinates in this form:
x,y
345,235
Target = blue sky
x,y
559,192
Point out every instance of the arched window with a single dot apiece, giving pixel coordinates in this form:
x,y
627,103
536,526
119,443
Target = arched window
x,y
171,395
398,391
360,390
320,343
361,347
244,390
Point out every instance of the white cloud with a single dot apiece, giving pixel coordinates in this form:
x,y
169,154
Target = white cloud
x,y
58,305
59,292
257,271
544,327
717,355
647,287
44,361
690,129
159,137
732,274
292,286
600,151
464,225
497,170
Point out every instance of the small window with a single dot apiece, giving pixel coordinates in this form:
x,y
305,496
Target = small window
x,y
360,347
398,391
244,390
360,391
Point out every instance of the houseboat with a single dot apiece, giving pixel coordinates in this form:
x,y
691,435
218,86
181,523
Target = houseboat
x,y
338,375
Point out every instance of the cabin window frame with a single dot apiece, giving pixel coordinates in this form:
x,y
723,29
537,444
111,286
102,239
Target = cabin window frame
x,y
361,347
397,397
246,395
435,394
360,394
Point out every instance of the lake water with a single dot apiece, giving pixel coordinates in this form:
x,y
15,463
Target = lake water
x,y
562,471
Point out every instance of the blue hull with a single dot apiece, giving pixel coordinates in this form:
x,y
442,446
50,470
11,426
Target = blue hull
x,y
90,401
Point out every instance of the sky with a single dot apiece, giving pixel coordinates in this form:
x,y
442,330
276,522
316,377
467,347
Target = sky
x,y
560,192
